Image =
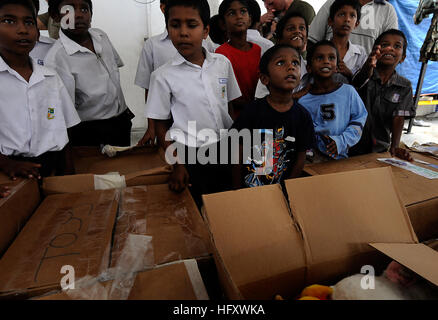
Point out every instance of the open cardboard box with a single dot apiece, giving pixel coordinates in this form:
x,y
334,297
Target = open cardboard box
x,y
88,231
266,244
418,194
16,209
176,281
91,160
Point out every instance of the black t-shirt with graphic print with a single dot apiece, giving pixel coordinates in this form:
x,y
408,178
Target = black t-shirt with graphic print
x,y
291,132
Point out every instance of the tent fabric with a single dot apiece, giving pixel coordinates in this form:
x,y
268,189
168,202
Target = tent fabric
x,y
416,35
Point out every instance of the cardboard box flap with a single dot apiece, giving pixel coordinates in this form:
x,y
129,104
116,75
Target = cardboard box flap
x,y
341,213
420,258
254,233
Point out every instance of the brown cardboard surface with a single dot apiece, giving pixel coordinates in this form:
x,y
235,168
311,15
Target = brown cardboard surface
x,y
91,160
170,282
424,219
262,250
71,229
256,240
16,209
172,220
420,258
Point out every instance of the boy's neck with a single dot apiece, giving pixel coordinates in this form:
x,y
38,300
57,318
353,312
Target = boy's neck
x,y
385,72
323,85
20,63
197,58
342,44
239,41
280,100
81,39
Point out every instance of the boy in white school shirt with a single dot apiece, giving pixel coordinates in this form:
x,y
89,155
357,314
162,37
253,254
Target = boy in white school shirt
x,y
89,65
194,86
43,45
35,107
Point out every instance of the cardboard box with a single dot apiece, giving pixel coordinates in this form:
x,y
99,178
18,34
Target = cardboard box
x,y
16,209
418,194
172,221
267,245
178,281
90,182
70,229
91,160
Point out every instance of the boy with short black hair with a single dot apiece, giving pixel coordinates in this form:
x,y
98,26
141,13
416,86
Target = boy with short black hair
x,y
243,55
87,62
35,107
344,18
253,34
387,96
280,115
43,45
195,85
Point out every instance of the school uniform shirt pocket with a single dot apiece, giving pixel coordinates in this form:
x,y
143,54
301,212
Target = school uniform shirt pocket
x,y
393,104
52,118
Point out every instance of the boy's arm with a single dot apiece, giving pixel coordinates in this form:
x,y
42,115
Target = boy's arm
x,y
14,169
397,129
360,79
297,168
179,179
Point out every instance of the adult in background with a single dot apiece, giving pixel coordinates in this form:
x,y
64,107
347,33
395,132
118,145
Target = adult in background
x,y
46,22
378,16
278,9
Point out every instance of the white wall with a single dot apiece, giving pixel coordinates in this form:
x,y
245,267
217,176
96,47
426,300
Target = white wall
x,y
127,23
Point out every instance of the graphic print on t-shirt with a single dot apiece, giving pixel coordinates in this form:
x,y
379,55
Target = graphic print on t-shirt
x,y
280,159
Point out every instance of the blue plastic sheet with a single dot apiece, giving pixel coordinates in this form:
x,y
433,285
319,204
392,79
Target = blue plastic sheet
x,y
415,34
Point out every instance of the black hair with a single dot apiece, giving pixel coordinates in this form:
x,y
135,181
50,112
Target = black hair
x,y
54,7
254,12
163,1
269,54
311,51
216,34
36,4
395,32
201,6
282,23
226,4
25,3
338,4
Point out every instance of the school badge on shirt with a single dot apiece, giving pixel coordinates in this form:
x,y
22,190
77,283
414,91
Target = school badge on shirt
x,y
396,98
51,113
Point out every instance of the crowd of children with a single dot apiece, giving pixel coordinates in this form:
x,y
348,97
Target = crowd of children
x,y
340,102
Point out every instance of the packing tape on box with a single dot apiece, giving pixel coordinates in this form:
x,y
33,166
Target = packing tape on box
x,y
109,181
196,279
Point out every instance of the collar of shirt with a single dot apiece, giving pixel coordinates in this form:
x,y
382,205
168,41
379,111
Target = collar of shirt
x,y
352,50
179,59
395,79
47,40
164,36
38,74
253,33
71,47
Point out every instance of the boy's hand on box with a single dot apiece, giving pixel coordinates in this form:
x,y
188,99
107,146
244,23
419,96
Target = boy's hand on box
x,y
4,192
401,153
16,169
179,179
332,148
148,138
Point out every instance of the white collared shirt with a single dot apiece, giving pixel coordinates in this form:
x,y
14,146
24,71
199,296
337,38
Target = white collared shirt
x,y
42,47
262,91
188,92
34,115
157,51
93,80
355,57
253,35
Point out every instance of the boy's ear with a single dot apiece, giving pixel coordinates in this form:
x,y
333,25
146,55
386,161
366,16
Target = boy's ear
x,y
206,32
330,22
264,79
162,7
403,58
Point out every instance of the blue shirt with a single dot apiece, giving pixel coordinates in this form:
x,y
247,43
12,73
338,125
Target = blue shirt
x,y
340,114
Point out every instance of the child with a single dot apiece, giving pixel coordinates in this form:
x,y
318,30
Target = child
x,y
35,107
344,18
194,86
43,45
279,113
89,66
253,35
244,55
217,34
292,30
337,111
387,96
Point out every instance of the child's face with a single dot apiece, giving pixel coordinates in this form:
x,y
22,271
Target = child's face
x,y
18,30
82,14
391,50
345,21
295,33
284,70
186,30
324,62
237,18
